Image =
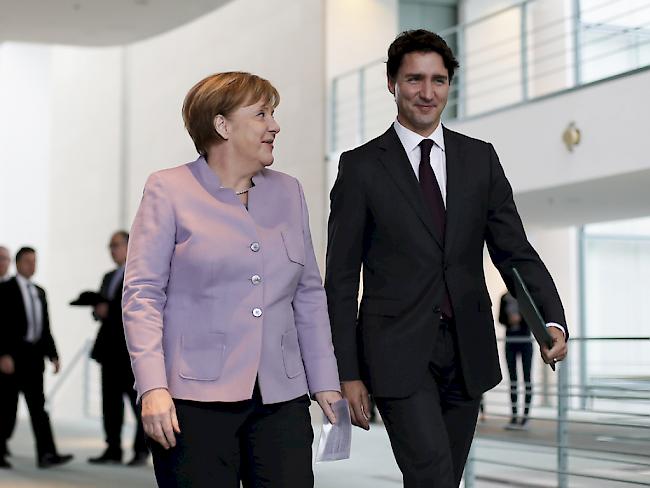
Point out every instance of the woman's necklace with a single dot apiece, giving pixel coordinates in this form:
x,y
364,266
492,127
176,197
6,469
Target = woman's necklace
x,y
240,192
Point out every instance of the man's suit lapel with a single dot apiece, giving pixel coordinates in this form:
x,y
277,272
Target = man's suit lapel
x,y
455,172
394,159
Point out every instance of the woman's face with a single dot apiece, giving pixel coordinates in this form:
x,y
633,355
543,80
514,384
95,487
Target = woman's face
x,y
251,131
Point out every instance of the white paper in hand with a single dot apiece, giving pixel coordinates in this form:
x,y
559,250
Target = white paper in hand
x,y
335,439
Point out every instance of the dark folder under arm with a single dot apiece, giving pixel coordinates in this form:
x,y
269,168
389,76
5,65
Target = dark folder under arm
x,y
531,314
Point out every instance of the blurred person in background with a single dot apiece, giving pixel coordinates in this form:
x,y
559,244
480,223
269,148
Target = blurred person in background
x,y
5,261
111,353
25,340
518,345
224,309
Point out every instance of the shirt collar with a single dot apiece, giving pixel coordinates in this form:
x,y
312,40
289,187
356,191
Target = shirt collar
x,y
410,140
22,280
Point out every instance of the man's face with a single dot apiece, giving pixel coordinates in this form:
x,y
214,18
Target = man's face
x,y
5,260
118,247
26,265
421,88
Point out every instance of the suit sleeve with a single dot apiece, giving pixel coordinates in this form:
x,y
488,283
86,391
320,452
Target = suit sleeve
x,y
49,348
312,321
151,246
346,226
509,247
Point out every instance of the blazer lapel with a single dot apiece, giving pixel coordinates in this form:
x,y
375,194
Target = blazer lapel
x,y
394,159
455,172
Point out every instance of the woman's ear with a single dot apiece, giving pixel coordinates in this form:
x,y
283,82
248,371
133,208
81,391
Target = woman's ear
x,y
221,126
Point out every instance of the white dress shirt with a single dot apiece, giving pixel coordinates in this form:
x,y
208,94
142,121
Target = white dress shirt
x,y
5,278
33,309
411,142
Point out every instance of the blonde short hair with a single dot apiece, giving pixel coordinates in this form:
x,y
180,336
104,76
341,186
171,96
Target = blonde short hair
x,y
221,94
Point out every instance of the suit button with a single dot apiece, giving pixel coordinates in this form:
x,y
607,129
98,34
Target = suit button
x,y
257,312
255,246
256,279
436,310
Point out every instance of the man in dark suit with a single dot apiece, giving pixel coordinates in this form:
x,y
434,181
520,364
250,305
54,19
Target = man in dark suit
x,y
111,353
415,207
25,340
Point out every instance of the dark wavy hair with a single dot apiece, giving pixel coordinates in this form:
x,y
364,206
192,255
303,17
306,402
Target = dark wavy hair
x,y
419,40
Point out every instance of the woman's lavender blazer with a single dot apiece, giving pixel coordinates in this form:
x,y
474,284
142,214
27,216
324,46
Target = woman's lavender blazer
x,y
216,296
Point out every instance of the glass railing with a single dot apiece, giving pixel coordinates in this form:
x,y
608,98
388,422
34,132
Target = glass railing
x,y
528,50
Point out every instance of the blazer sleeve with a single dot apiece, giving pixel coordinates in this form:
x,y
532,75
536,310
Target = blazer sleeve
x,y
347,222
312,321
509,247
47,341
151,246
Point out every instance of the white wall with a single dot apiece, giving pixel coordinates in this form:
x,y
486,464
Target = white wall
x,y
59,159
613,117
358,32
282,41
25,137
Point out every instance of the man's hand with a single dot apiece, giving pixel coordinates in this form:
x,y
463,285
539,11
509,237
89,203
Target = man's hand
x,y
356,394
159,417
101,310
325,399
57,365
7,364
559,350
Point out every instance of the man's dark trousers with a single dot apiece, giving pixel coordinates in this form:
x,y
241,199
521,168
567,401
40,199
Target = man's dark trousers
x,y
431,430
116,384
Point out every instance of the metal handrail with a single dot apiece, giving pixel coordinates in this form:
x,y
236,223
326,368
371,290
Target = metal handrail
x,y
81,353
458,95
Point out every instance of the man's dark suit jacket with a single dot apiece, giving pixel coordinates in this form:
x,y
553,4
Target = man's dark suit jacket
x,y
13,322
379,218
110,344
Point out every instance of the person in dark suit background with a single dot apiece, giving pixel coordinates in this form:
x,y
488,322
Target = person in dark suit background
x,y
6,404
414,208
25,340
111,353
5,261
518,344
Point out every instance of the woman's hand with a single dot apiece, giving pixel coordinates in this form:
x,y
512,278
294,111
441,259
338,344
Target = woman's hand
x,y
159,417
325,399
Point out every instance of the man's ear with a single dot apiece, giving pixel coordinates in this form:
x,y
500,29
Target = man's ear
x,y
391,85
221,126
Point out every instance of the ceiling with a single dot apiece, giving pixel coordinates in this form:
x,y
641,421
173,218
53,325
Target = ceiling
x,y
623,196
95,22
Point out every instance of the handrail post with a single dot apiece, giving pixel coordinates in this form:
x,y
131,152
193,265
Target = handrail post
x,y
469,475
577,48
461,109
333,115
523,12
361,107
562,430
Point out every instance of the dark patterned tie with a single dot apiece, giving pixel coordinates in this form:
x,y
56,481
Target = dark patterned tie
x,y
433,198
